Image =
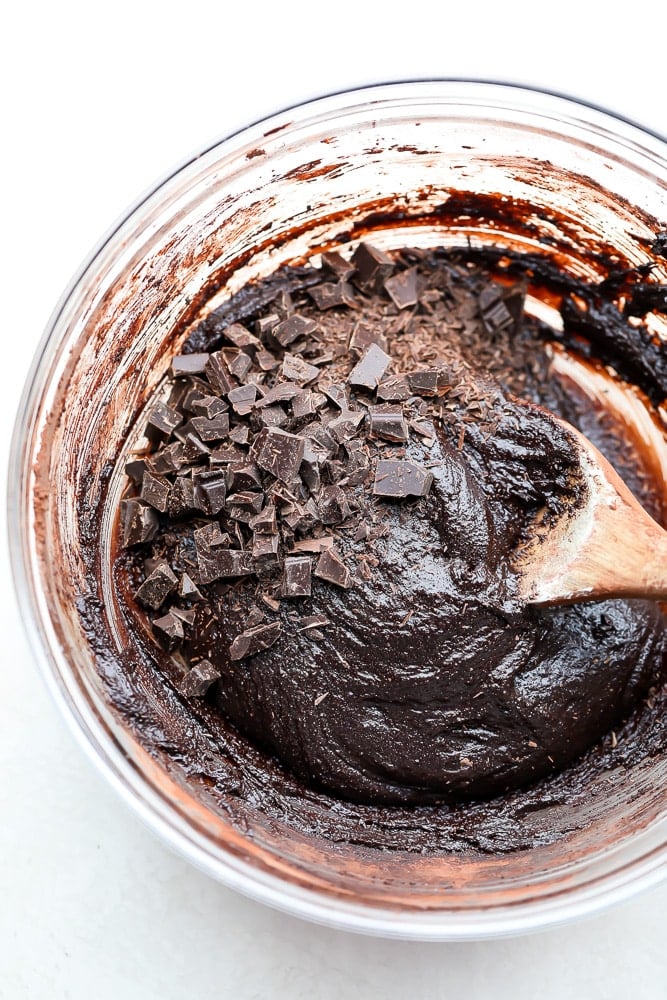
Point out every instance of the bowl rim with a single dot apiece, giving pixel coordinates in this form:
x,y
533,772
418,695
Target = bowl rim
x,y
105,753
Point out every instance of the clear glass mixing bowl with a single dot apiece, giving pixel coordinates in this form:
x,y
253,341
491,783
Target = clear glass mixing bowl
x,y
370,162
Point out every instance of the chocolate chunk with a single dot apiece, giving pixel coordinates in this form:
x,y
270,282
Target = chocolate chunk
x,y
330,294
186,615
135,470
278,452
181,497
495,314
332,505
188,589
189,364
425,428
282,392
295,369
396,479
266,361
240,365
140,522
345,426
156,587
243,475
243,398
365,334
335,264
199,679
265,547
239,435
210,491
330,567
370,368
163,419
213,429
239,336
303,405
372,267
168,631
394,389
402,288
209,407
336,392
265,523
273,416
296,577
155,491
209,537
388,423
290,329
169,459
312,621
194,447
246,500
223,564
226,455
270,602
428,381
218,374
254,640
265,324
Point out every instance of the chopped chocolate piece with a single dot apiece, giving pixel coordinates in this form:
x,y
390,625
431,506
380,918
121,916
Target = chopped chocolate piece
x,y
163,419
278,452
194,446
222,564
330,294
168,631
270,602
209,407
365,334
192,389
265,324
135,469
281,392
336,392
345,426
210,490
388,423
188,589
428,381
239,435
255,616
168,459
189,364
226,455
244,506
332,505
425,428
243,398
199,679
297,370
140,522
303,405
395,478
372,267
394,389
211,430
240,366
155,491
402,288
273,416
323,442
218,374
265,523
361,534
266,361
265,546
209,537
239,336
495,314
186,615
243,476
330,567
254,640
290,329
157,586
296,577
181,497
283,302
313,621
335,264
370,368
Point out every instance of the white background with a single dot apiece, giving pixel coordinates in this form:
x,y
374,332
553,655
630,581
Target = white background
x,y
100,100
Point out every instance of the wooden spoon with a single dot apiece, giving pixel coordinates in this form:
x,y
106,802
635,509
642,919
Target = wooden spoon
x,y
608,547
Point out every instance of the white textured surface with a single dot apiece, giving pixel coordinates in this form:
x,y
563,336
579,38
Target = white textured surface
x,y
98,103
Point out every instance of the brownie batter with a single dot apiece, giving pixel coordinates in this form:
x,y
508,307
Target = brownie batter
x,y
322,532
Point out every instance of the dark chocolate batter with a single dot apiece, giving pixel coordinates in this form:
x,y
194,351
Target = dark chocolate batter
x,y
411,674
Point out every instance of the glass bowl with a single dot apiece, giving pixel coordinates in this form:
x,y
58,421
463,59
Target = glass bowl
x,y
408,163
